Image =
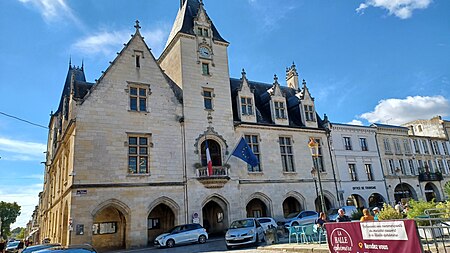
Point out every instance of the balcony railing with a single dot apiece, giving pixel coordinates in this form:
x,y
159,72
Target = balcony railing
x,y
218,178
430,176
217,171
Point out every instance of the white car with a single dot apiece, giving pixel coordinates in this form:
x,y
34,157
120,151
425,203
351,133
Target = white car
x,y
188,233
243,232
267,222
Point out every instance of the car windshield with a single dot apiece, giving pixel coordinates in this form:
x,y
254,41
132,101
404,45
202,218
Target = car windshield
x,y
12,244
174,229
242,224
333,211
292,215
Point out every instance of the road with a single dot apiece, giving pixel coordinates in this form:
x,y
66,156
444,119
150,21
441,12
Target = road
x,y
212,245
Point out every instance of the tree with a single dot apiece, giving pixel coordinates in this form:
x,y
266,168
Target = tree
x,y
447,188
8,215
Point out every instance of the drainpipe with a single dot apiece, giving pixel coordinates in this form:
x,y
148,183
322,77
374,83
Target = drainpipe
x,y
183,155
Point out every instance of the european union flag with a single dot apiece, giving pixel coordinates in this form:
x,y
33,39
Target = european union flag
x,y
245,153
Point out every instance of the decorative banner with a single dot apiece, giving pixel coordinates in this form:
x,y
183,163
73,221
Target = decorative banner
x,y
373,237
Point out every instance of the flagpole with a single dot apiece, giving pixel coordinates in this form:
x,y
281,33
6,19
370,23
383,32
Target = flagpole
x,y
235,146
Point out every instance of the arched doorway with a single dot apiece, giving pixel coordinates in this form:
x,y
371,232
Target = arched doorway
x,y
256,208
404,192
109,229
159,220
214,151
431,192
376,200
215,216
291,205
328,204
356,200
65,225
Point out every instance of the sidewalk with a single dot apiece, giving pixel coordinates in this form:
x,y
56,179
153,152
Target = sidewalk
x,y
294,247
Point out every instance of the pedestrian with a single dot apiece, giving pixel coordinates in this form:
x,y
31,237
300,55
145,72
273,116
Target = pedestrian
x,y
2,245
376,212
366,216
321,220
342,217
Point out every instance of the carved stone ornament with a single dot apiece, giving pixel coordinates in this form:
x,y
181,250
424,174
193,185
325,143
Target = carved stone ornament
x,y
212,134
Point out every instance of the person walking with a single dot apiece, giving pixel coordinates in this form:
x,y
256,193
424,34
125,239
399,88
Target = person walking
x,y
366,216
321,220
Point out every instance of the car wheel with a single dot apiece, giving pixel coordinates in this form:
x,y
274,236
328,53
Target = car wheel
x,y
202,239
229,247
170,243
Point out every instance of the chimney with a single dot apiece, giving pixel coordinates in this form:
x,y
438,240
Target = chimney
x,y
292,77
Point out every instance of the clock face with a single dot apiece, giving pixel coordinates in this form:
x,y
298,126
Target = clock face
x,y
204,51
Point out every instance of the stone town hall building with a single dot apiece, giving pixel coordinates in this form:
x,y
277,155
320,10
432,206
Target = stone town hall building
x,y
126,154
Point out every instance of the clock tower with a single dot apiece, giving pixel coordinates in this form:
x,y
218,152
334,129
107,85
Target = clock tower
x,y
196,59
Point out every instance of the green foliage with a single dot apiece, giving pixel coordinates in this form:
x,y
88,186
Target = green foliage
x,y
357,214
8,215
417,208
447,188
389,213
18,233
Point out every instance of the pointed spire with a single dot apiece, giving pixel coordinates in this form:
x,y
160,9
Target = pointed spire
x,y
70,62
137,26
82,64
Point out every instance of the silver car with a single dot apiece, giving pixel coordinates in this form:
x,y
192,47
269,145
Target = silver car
x,y
267,222
188,233
243,232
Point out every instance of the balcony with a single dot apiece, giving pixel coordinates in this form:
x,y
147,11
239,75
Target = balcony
x,y
218,178
430,176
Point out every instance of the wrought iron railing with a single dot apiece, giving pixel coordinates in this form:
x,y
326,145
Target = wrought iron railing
x,y
217,171
430,176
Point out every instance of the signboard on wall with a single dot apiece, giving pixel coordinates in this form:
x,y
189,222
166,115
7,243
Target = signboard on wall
x,y
373,237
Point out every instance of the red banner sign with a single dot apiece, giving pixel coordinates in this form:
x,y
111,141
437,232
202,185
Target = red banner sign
x,y
395,236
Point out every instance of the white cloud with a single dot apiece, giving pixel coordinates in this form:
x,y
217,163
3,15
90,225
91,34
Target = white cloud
x,y
355,122
109,42
400,8
398,111
22,150
26,196
53,10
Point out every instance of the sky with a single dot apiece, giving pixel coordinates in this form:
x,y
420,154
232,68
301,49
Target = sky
x,y
364,61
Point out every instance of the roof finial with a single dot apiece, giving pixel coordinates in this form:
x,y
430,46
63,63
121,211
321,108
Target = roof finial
x,y
275,78
304,83
70,61
201,2
82,64
243,73
137,26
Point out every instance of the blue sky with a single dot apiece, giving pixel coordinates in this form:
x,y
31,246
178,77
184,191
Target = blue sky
x,y
364,61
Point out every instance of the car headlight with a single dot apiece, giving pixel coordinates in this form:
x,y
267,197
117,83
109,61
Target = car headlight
x,y
227,234
251,232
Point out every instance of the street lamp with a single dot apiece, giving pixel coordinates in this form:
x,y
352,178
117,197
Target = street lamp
x,y
314,147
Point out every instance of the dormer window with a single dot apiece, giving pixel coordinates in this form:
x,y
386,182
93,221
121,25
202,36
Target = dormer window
x,y
202,32
309,113
280,111
246,106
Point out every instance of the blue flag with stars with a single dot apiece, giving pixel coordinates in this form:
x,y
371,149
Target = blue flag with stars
x,y
245,153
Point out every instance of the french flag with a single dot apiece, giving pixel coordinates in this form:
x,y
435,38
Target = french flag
x,y
208,160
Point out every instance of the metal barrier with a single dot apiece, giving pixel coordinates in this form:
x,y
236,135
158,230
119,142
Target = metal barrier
x,y
434,230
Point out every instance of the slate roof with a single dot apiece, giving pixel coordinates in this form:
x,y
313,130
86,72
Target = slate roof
x,y
388,126
186,25
81,87
262,103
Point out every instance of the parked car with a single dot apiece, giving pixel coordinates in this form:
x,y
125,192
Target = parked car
x,y
14,246
188,233
300,218
244,232
40,247
267,222
85,248
333,212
